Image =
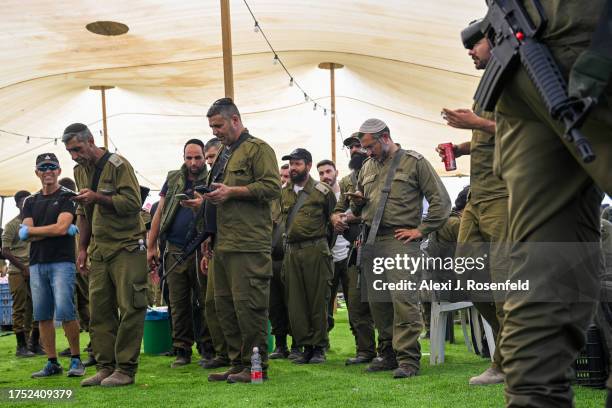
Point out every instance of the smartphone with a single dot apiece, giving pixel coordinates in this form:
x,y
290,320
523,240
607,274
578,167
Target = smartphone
x,y
182,196
66,192
105,191
356,195
202,189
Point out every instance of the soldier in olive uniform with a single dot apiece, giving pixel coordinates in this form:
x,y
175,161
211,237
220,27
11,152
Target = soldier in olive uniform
x,y
485,218
360,317
113,232
553,197
17,252
174,219
245,181
307,266
398,322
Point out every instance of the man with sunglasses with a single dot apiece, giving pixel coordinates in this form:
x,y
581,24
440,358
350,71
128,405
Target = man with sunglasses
x,y
48,218
112,234
245,180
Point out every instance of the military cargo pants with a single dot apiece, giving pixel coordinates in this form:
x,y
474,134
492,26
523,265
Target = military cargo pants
x,y
118,304
81,300
22,303
553,197
396,314
185,299
487,222
307,273
242,291
279,316
210,311
360,317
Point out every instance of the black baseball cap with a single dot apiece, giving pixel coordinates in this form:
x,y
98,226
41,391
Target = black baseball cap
x,y
352,140
299,154
47,158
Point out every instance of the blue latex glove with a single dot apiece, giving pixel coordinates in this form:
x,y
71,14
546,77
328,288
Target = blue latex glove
x,y
73,230
24,232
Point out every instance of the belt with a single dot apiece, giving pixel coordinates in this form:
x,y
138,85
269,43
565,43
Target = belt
x,y
389,230
306,243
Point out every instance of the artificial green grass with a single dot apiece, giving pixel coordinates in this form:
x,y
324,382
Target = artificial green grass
x,y
328,385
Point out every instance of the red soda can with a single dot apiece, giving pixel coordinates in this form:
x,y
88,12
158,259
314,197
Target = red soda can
x,y
449,157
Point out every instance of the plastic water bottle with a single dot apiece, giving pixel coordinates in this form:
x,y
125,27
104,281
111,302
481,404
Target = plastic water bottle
x,y
256,371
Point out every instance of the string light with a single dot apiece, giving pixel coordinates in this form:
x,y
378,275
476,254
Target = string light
x,y
277,61
55,141
28,139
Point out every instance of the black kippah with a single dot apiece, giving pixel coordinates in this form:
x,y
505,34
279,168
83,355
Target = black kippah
x,y
75,128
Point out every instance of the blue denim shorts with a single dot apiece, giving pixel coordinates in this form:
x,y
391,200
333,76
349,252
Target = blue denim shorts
x,y
52,287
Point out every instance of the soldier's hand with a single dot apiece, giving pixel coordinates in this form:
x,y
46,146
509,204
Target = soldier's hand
x,y
206,248
407,235
339,222
204,266
356,197
220,194
193,203
82,263
440,151
461,118
154,276
86,196
152,258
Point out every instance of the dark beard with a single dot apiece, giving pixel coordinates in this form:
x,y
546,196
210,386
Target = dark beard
x,y
298,178
356,161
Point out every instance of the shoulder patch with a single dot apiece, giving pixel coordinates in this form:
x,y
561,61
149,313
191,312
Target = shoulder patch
x,y
254,140
115,160
414,154
322,188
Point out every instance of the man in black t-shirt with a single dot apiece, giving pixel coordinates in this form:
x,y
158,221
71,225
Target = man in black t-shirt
x,y
48,223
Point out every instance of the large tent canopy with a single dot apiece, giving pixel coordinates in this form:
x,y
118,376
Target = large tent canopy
x,y
403,61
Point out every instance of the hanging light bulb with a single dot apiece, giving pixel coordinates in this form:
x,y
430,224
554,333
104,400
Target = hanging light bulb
x,y
338,128
28,139
324,112
256,28
275,59
314,107
291,82
55,141
305,97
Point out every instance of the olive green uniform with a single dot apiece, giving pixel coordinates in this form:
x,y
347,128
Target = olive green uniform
x,y
242,261
308,265
279,315
360,317
118,272
485,220
212,317
446,237
185,285
18,284
553,197
399,323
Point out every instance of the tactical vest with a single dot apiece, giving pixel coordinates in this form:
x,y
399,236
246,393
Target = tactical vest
x,y
176,180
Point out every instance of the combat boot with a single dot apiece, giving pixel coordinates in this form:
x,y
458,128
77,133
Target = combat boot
x,y
386,362
65,353
22,349
295,353
91,360
217,362
318,355
279,352
235,369
305,357
488,377
359,359
404,371
97,379
183,357
117,379
244,376
34,343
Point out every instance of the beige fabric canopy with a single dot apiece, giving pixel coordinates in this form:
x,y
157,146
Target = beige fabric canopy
x,y
403,61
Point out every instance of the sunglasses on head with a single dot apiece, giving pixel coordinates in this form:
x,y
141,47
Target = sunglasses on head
x,y
47,166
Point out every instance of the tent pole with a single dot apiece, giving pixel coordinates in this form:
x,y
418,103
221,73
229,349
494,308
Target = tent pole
x,y
103,89
226,36
2,211
332,66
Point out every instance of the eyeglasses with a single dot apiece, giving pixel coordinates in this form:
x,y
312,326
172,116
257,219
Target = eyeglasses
x,y
47,166
370,146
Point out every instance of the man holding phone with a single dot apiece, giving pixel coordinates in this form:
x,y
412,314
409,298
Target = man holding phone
x,y
174,219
